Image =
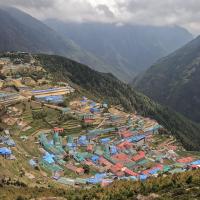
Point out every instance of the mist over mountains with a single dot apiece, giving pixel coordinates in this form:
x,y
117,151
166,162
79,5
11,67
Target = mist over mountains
x,y
132,48
21,32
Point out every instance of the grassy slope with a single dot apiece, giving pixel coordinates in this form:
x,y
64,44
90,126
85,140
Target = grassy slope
x,y
106,86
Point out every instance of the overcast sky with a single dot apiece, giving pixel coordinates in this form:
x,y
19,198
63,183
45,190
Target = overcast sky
x,y
185,13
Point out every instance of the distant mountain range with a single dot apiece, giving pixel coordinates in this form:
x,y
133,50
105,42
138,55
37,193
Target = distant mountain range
x,y
175,80
21,32
123,51
129,47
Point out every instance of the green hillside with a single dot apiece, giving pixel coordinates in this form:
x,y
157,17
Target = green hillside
x,y
22,32
182,186
174,81
107,87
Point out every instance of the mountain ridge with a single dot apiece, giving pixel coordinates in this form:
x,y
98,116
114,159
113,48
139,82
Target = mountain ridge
x,y
131,47
21,32
174,81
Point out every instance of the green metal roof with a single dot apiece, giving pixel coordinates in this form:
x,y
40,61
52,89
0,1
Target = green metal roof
x,y
177,170
80,181
166,168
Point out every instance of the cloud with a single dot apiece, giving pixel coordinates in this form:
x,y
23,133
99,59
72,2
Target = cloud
x,y
185,13
106,10
29,3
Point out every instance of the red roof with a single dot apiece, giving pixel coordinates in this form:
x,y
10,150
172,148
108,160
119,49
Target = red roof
x,y
116,168
185,160
129,172
89,147
104,162
146,172
126,134
56,129
118,165
139,156
125,145
79,170
195,166
119,173
120,156
158,166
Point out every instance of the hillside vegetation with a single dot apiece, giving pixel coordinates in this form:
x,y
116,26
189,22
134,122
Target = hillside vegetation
x,y
107,87
182,186
22,32
174,81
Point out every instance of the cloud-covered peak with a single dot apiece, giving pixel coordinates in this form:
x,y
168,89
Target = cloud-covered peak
x,y
184,13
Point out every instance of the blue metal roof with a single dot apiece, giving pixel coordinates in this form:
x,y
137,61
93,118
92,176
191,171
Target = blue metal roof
x,y
113,149
197,162
136,138
143,177
5,151
54,99
95,158
49,158
105,140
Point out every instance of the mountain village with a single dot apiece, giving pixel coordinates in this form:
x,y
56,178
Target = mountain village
x,y
51,134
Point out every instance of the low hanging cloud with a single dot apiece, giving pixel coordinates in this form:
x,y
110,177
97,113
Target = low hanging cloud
x,y
106,11
35,4
184,13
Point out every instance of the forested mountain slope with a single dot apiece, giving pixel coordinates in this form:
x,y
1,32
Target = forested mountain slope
x,y
21,32
106,86
174,80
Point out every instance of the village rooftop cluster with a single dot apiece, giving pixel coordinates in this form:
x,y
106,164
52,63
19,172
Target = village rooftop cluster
x,y
122,147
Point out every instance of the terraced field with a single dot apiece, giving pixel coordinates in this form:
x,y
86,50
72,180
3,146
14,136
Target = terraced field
x,y
72,127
